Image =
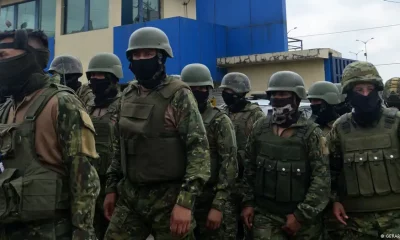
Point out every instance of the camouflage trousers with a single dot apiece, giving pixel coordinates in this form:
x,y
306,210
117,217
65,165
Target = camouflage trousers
x,y
227,230
267,226
242,232
39,230
100,223
144,210
364,226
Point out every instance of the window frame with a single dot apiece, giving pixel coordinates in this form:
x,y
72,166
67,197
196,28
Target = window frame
x,y
86,17
141,11
37,11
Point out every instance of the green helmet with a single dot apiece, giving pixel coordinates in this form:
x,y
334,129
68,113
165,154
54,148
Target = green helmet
x,y
391,92
360,72
197,74
149,37
66,64
287,81
342,96
237,82
106,62
326,91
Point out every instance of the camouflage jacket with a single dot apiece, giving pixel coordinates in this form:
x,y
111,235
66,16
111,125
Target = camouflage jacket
x,y
189,124
222,133
317,196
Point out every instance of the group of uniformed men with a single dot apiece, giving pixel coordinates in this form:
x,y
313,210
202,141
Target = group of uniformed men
x,y
91,161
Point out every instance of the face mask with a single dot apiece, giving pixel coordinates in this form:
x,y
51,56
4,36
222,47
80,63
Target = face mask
x,y
366,108
284,111
324,113
145,71
15,73
343,108
71,81
103,89
201,98
230,98
42,57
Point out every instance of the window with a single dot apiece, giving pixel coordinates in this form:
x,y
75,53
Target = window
x,y
85,15
35,14
135,11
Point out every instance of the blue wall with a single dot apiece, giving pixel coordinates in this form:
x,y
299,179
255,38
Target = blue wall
x,y
254,26
191,41
334,67
51,48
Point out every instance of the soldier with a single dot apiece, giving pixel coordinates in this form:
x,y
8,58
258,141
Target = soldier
x,y
286,168
391,93
344,106
165,156
42,53
67,70
324,96
365,147
214,214
48,185
104,72
243,115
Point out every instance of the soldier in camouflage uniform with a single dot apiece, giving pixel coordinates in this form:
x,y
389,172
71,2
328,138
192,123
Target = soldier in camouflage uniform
x,y
286,168
243,115
391,93
214,214
324,96
344,106
48,185
165,158
67,70
104,72
364,148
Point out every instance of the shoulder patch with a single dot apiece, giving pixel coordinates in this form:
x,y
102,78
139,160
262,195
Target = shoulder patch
x,y
86,120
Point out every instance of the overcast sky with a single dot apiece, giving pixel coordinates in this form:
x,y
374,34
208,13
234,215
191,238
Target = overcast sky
x,y
317,16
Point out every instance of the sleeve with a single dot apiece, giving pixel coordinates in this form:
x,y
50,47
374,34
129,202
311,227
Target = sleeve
x,y
76,137
227,151
335,161
258,114
191,129
250,168
317,196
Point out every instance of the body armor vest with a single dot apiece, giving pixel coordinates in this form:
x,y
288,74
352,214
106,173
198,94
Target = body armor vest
x,y
150,153
209,115
239,121
283,169
370,177
28,190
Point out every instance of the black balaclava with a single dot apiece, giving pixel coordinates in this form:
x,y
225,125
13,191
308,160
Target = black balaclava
x,y
236,102
104,90
71,80
367,109
324,113
202,99
149,72
285,110
343,108
20,75
42,57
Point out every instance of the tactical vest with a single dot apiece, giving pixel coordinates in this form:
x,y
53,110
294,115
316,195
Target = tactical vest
x,y
371,164
150,153
240,120
28,190
209,116
283,169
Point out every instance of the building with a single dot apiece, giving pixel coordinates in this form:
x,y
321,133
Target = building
x,y
226,35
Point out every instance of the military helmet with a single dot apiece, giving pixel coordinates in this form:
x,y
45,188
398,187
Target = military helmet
x,y
360,72
326,91
287,81
237,82
149,37
197,74
391,92
106,62
66,64
342,96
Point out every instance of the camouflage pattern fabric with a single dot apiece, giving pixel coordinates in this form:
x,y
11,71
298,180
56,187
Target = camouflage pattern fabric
x,y
267,226
222,133
55,78
85,94
358,72
391,92
76,138
237,82
317,196
191,129
379,225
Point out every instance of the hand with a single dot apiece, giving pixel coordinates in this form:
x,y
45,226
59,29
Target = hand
x,y
214,219
180,221
109,205
248,216
292,226
339,212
